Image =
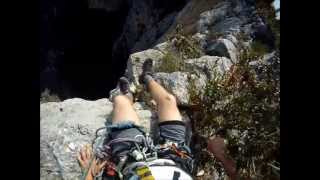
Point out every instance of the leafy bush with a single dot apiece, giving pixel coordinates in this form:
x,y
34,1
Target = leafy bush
x,y
246,111
186,46
257,50
182,47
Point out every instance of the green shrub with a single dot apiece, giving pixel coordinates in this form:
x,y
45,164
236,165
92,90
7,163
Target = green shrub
x,y
258,49
170,63
238,101
241,36
186,47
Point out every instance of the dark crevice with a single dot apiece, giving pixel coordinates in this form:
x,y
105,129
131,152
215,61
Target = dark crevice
x,y
77,55
76,49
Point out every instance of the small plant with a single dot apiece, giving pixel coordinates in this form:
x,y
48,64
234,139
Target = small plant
x,y
241,36
182,47
137,59
170,63
47,96
186,46
258,49
194,95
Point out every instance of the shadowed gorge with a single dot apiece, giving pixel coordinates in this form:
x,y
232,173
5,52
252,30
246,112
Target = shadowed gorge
x,y
77,44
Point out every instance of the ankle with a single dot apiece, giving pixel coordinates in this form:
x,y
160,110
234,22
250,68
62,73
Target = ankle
x,y
129,96
123,98
147,79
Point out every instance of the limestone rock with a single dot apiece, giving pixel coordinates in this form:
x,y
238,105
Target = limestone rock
x,y
222,26
209,65
145,23
163,47
224,48
66,126
208,18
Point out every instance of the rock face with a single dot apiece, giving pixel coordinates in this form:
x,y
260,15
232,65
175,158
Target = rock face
x,y
221,29
223,48
66,126
146,22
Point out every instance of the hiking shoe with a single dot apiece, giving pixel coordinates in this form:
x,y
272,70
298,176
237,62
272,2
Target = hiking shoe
x,y
124,85
123,88
147,72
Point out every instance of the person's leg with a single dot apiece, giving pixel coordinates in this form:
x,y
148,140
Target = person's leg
x,y
123,103
166,102
171,126
123,113
123,110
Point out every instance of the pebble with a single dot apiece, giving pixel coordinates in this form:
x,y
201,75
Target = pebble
x,y
72,146
200,173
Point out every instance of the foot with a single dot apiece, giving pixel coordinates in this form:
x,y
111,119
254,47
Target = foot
x,y
124,85
123,88
147,72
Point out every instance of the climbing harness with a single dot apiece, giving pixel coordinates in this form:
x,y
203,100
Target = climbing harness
x,y
141,157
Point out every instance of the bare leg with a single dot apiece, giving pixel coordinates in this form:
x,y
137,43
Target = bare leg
x,y
166,102
123,110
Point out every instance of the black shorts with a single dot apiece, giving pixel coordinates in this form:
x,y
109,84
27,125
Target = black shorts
x,y
174,131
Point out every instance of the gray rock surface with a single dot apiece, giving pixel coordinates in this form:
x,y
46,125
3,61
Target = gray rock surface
x,y
221,27
209,65
228,25
223,48
66,126
144,24
208,18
